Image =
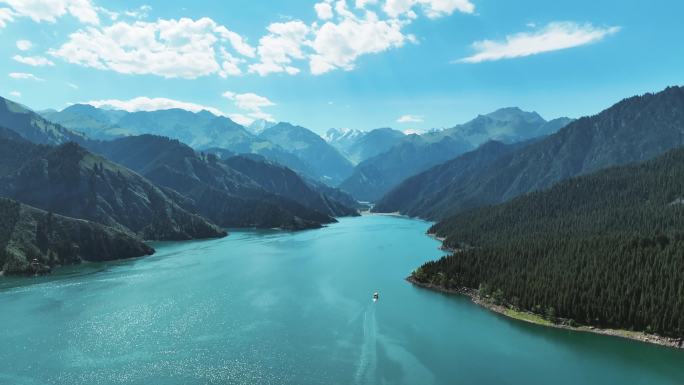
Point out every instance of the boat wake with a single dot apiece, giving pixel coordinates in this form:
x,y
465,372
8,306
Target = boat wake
x,y
367,364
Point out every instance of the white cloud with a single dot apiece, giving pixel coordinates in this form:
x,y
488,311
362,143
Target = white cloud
x,y
24,45
410,119
183,48
361,4
251,104
413,131
238,43
15,94
187,48
25,76
51,10
324,10
432,8
6,16
144,103
248,101
554,36
35,61
342,36
339,45
241,119
283,43
139,13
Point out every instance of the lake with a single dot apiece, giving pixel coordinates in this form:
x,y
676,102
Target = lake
x,y
273,307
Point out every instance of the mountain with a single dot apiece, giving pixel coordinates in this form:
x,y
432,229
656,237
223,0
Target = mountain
x,y
341,138
33,241
34,127
233,192
197,129
71,181
328,164
282,181
426,195
96,123
632,130
507,125
200,130
602,249
259,125
376,176
358,146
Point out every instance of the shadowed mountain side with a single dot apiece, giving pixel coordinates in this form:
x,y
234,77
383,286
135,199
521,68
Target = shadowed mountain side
x,y
33,241
71,181
211,186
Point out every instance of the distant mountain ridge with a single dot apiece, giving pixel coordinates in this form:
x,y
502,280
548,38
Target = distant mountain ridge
x,y
358,146
33,127
633,130
204,130
324,159
422,195
376,176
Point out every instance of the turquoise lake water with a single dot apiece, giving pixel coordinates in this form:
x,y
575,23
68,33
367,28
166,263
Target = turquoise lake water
x,y
292,308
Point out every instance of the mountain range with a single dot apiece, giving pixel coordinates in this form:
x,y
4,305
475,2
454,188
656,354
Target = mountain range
x,y
232,192
32,127
293,146
633,130
324,160
377,175
358,146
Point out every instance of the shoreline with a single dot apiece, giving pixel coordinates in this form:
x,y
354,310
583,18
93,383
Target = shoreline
x,y
441,243
538,320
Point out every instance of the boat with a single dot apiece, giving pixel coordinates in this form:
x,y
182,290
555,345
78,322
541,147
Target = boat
x,y
375,296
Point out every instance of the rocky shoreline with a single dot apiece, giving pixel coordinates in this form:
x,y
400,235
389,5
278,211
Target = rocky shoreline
x,y
676,343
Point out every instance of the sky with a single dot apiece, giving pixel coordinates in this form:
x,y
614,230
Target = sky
x,y
413,65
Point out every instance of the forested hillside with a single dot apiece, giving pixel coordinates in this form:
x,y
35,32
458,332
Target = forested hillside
x,y
606,249
71,181
33,241
231,195
427,194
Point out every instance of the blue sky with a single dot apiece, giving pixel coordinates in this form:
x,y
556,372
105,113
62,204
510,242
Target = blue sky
x,y
408,64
